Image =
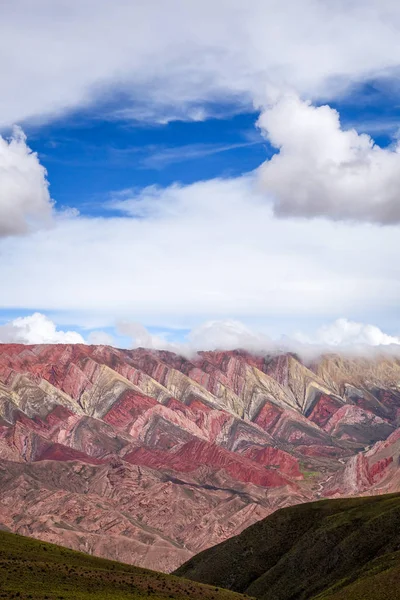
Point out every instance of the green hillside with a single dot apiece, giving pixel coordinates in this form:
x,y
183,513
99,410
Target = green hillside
x,y
346,549
34,569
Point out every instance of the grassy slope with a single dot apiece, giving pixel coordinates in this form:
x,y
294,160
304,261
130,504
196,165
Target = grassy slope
x,y
34,569
332,549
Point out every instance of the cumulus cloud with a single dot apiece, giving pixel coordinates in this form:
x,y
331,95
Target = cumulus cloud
x,y
36,329
324,170
171,57
343,332
24,196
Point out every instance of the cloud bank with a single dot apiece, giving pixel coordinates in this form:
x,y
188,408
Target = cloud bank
x,y
182,255
171,59
25,202
341,335
322,170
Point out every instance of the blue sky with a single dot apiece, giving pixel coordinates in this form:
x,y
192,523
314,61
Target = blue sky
x,y
200,174
88,158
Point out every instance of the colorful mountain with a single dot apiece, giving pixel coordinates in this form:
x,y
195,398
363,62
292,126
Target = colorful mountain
x,y
148,457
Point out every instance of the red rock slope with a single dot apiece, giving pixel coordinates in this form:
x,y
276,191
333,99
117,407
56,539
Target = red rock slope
x,y
148,457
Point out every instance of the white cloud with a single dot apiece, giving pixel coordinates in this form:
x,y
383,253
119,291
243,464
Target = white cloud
x,y
24,196
343,332
210,335
227,335
36,329
207,251
142,338
323,170
173,57
101,338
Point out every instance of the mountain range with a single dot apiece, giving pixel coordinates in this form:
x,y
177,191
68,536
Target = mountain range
x,y
149,457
